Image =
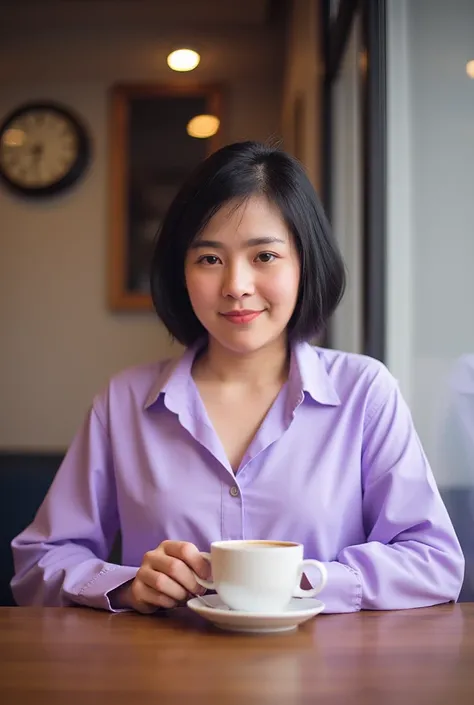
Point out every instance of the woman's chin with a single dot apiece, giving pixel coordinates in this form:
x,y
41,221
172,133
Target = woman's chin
x,y
244,342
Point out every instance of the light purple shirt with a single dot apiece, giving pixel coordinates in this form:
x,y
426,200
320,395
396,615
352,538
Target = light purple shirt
x,y
336,465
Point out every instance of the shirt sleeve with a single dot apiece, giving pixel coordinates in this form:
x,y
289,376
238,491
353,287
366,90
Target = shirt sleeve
x,y
412,557
61,558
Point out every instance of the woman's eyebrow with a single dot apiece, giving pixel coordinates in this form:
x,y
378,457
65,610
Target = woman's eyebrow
x,y
252,242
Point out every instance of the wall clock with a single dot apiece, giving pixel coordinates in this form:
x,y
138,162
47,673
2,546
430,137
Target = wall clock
x,y
44,149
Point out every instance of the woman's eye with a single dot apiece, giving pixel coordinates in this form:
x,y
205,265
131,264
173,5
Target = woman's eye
x,y
209,259
266,257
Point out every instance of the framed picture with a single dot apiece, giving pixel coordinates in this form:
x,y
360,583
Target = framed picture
x,y
151,154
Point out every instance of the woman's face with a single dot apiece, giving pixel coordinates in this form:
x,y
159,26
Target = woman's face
x,y
242,275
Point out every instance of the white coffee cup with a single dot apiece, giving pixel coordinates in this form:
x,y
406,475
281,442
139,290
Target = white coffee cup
x,y
259,576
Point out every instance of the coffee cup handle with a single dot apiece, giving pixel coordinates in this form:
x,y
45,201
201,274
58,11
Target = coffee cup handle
x,y
312,592
205,583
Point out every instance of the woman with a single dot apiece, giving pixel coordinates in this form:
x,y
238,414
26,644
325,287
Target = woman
x,y
252,433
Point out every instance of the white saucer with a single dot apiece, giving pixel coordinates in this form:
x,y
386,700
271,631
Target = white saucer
x,y
298,611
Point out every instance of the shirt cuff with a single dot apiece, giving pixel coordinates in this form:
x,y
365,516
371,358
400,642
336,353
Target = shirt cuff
x,y
96,591
343,590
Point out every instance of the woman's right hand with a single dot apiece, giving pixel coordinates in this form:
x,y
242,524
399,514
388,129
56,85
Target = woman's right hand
x,y
164,579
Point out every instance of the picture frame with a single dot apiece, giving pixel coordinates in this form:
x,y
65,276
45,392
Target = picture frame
x,y
150,156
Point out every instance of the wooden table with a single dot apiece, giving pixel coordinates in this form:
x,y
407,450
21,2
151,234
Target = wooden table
x,y
80,656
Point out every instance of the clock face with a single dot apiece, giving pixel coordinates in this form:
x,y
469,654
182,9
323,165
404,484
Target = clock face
x,y
43,149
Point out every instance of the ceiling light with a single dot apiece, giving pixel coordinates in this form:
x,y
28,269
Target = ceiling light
x,y
14,137
203,126
470,69
183,60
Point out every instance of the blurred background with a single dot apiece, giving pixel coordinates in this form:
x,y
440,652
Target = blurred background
x,y
97,130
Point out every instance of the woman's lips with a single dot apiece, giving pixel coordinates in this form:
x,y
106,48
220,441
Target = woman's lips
x,y
239,317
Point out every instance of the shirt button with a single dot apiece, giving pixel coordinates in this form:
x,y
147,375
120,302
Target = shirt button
x,y
234,491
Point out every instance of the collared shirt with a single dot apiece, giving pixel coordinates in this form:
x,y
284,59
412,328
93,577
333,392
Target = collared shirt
x,y
336,465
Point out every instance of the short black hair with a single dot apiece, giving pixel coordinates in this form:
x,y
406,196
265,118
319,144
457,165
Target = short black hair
x,y
237,172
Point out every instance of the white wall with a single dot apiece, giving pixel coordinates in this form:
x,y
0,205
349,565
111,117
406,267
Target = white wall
x,y
431,209
399,298
347,198
59,343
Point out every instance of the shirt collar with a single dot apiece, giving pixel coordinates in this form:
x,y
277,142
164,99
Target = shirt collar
x,y
173,376
307,374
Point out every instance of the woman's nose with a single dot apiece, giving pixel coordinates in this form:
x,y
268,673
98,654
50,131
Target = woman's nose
x,y
238,282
